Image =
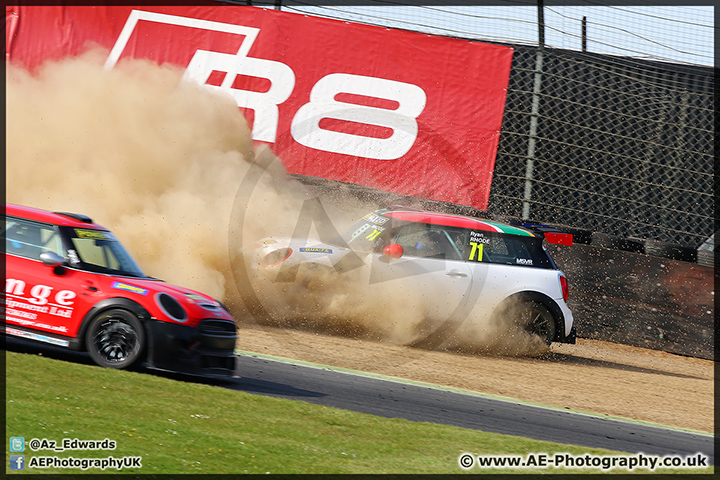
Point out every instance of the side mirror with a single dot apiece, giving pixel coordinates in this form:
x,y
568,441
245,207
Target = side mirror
x,y
52,259
393,251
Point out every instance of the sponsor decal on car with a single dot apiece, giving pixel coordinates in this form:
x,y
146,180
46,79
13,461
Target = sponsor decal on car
x,y
129,288
25,309
36,336
97,234
315,250
376,219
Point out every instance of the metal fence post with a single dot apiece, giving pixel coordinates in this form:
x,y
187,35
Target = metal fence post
x,y
534,113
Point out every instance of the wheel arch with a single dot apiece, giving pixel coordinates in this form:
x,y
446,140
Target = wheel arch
x,y
541,298
109,303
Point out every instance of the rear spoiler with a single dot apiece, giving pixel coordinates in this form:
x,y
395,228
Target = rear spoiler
x,y
552,234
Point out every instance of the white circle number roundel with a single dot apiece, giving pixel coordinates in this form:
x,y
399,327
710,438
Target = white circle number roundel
x,y
402,121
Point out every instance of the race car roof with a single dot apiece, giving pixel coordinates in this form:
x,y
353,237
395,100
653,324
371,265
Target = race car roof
x,y
455,221
64,219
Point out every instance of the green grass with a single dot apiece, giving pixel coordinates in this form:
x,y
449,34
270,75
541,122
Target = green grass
x,y
183,427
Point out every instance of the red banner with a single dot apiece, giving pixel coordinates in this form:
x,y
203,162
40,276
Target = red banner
x,y
404,112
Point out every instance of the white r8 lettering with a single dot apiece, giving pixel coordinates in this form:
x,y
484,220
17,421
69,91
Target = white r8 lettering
x,y
264,104
402,121
305,127
204,63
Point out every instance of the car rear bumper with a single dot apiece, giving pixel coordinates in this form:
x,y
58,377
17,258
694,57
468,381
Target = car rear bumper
x,y
207,350
568,332
570,337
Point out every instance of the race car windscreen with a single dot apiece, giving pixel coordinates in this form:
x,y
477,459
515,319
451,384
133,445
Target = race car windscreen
x,y
99,251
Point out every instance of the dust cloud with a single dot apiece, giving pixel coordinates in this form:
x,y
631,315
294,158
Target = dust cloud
x,y
156,159
159,161
320,300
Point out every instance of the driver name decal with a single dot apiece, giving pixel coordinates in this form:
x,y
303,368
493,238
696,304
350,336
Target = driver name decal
x,y
477,242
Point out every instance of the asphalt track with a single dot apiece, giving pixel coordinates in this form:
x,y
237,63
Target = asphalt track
x,y
396,399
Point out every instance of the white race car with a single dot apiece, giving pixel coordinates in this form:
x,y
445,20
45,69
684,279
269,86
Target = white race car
x,y
469,267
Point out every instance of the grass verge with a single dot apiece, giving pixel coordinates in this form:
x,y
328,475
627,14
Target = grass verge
x,y
183,427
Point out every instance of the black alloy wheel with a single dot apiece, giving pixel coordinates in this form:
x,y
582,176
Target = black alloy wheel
x,y
115,339
536,319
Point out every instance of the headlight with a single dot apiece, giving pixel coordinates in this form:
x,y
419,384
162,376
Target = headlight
x,y
276,257
203,302
171,307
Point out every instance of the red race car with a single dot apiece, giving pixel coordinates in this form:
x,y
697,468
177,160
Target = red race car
x,y
70,283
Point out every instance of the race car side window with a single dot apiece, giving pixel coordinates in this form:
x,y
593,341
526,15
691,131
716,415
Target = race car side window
x,y
430,241
30,239
507,250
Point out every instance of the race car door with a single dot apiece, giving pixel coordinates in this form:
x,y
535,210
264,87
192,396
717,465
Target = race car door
x,y
36,297
431,275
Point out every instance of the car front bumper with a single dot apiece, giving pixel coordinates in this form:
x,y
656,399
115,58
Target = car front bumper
x,y
206,350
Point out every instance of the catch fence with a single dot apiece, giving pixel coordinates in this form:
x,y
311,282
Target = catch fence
x,y
617,144
620,146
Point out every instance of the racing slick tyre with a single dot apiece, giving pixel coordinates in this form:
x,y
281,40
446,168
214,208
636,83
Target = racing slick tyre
x,y
536,319
115,339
